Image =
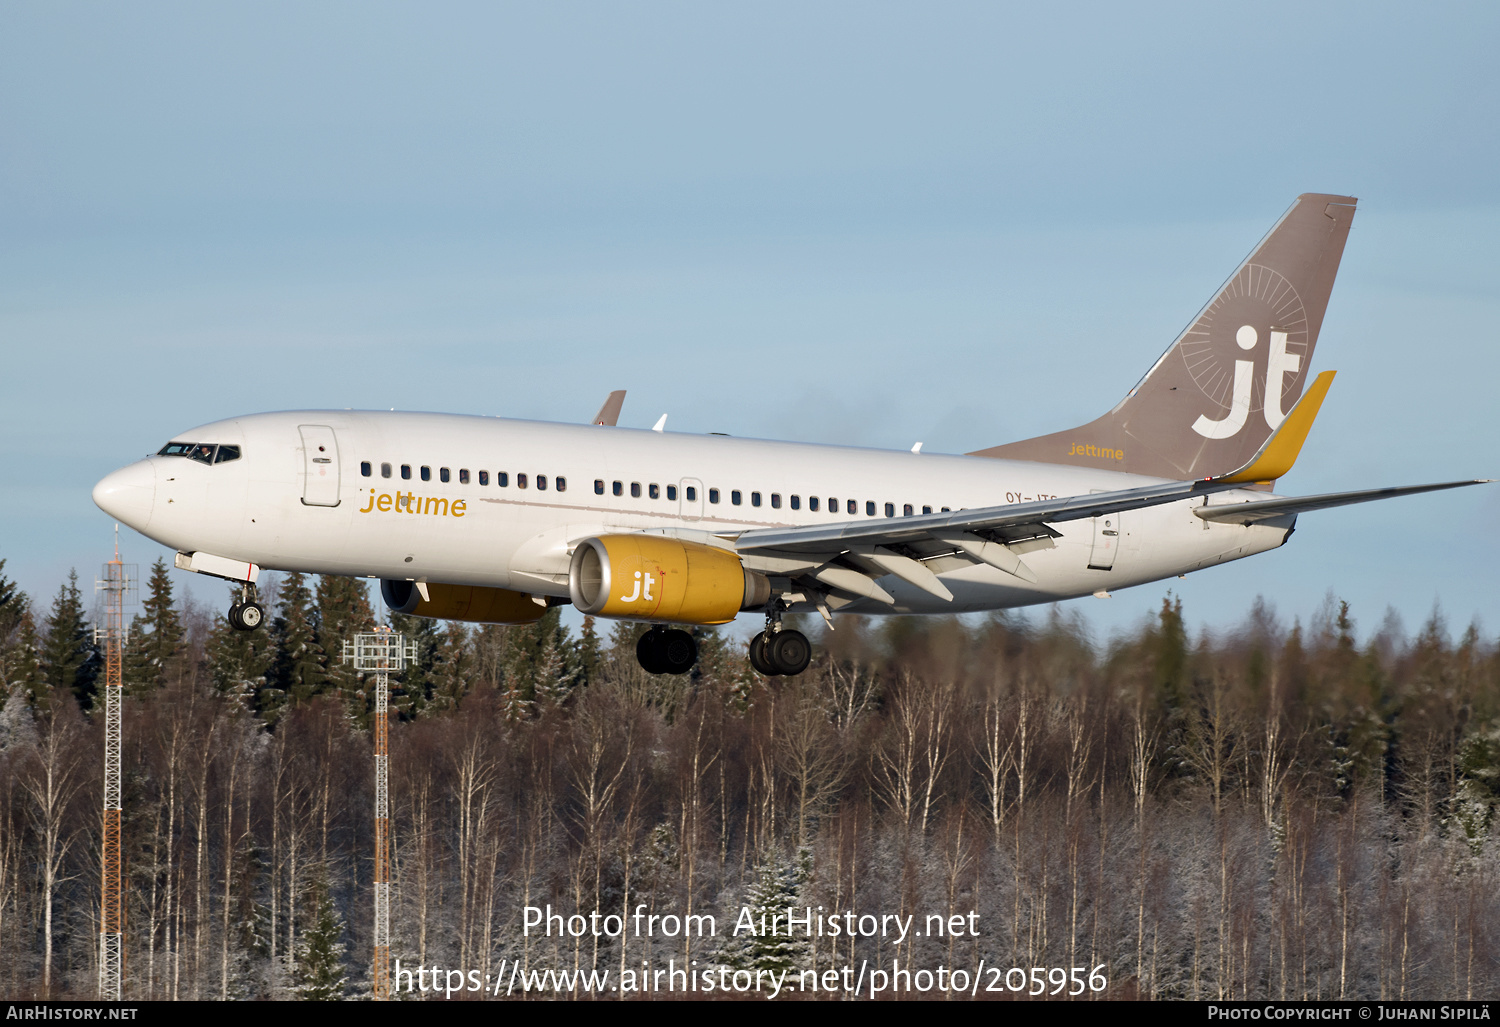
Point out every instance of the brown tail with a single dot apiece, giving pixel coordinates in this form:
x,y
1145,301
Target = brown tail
x,y
1204,407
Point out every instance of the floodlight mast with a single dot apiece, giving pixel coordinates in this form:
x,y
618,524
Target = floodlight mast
x,y
381,651
117,582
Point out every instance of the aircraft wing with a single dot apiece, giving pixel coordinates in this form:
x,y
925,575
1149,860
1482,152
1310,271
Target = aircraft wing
x,y
1260,510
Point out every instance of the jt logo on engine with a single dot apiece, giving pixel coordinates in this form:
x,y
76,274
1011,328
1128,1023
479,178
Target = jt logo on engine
x,y
645,595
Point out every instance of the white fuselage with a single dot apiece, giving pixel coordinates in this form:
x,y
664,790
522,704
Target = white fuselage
x,y
256,508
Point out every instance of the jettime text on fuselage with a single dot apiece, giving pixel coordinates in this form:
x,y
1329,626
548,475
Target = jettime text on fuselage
x,y
407,503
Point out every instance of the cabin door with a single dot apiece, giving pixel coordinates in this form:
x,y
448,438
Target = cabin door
x,y
320,463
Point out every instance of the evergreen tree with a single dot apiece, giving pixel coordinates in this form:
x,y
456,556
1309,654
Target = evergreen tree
x,y
453,672
301,665
320,974
541,663
416,681
69,658
779,884
343,611
12,600
238,661
156,636
590,653
19,669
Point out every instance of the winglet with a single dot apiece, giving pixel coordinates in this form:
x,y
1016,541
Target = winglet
x,y
609,413
1280,452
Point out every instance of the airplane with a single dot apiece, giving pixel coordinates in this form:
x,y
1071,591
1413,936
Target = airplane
x,y
491,520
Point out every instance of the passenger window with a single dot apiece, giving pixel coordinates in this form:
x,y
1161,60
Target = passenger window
x,y
672,492
520,481
541,482
692,494
812,503
463,476
927,509
406,472
561,484
484,477
713,495
385,470
426,473
890,509
945,509
653,491
796,502
502,478
598,486
364,468
734,497
443,474
619,488
853,507
869,508
755,499
635,490
775,500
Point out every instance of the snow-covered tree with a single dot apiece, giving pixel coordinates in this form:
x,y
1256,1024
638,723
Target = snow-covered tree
x,y
320,973
769,944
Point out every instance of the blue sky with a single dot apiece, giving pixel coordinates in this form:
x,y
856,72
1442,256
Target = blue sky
x,y
858,223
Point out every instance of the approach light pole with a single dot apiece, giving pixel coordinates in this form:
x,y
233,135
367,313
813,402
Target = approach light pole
x,y
382,652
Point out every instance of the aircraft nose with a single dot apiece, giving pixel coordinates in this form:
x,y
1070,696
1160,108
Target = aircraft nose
x,y
128,494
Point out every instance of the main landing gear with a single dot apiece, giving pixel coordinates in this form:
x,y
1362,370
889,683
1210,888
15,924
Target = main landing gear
x,y
247,614
779,650
666,651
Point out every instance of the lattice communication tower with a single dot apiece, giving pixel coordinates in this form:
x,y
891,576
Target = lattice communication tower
x,y
118,583
383,652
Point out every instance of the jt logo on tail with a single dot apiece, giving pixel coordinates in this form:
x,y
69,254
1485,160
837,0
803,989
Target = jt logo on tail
x,y
1280,364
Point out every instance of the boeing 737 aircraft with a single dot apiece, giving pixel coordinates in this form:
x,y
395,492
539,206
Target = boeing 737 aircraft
x,y
490,520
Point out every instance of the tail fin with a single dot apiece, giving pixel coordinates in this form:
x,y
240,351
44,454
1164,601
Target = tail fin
x,y
1204,408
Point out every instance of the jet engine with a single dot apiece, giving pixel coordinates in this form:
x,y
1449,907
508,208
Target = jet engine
x,y
652,577
461,602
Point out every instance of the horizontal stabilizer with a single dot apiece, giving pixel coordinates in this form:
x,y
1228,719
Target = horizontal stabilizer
x,y
1264,509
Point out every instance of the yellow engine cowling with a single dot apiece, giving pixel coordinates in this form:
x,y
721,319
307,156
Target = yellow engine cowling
x,y
462,602
651,577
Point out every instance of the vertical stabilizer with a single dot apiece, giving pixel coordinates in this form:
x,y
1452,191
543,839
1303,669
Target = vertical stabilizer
x,y
1211,401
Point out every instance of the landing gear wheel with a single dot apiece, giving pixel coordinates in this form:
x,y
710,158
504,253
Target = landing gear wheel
x,y
648,652
666,651
678,650
759,659
246,616
789,652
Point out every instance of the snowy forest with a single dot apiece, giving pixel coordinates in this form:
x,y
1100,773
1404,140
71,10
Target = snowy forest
x,y
1290,808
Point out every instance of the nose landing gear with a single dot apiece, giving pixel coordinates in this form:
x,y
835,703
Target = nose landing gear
x,y
779,650
246,614
666,651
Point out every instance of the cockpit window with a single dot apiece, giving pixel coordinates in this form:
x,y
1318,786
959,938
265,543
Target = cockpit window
x,y
204,452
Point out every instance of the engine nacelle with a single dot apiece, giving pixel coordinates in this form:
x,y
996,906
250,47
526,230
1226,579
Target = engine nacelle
x,y
461,602
652,577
